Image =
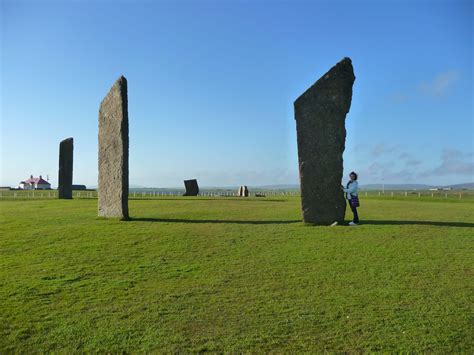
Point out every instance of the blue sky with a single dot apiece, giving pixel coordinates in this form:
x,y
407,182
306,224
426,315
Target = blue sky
x,y
212,85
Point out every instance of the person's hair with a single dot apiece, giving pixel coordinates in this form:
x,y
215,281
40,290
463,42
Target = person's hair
x,y
353,173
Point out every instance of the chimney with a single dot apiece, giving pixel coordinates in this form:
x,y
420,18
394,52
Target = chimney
x,y
41,177
31,176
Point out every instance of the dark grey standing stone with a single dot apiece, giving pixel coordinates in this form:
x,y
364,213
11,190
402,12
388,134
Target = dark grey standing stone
x,y
192,188
113,152
66,151
320,115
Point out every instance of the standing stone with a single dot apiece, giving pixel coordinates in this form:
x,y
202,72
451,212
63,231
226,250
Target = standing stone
x,y
113,152
320,115
192,188
243,191
66,150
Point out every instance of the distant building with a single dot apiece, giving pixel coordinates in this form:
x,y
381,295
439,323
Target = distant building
x,y
34,184
79,187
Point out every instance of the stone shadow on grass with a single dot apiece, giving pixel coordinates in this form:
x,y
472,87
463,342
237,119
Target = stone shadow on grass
x,y
224,221
420,223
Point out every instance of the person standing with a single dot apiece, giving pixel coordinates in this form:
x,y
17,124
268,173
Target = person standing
x,y
352,197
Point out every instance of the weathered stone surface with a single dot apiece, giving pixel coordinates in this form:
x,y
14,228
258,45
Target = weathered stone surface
x,y
243,191
192,188
113,152
66,151
320,115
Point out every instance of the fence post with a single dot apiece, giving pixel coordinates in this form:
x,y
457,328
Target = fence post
x,y
391,194
379,193
406,193
419,194
445,195
432,194
366,194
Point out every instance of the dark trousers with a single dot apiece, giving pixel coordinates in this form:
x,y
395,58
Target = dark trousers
x,y
354,211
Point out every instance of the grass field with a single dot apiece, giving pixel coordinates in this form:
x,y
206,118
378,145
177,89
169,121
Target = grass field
x,y
229,274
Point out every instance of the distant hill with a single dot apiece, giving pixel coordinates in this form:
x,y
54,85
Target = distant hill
x,y
395,187
291,187
467,185
277,187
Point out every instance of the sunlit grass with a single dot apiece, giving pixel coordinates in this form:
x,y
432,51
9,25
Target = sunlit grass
x,y
196,274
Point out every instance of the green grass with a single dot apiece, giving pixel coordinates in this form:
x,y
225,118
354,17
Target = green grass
x,y
235,275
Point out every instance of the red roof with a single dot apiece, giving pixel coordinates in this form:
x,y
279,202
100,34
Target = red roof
x,y
37,181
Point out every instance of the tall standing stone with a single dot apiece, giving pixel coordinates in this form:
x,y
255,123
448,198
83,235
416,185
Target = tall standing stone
x,y
113,152
320,115
192,188
66,151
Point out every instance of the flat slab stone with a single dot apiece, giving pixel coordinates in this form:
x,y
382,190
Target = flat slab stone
x,y
113,152
66,151
320,114
192,188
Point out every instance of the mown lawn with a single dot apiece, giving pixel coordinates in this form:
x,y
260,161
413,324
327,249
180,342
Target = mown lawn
x,y
235,275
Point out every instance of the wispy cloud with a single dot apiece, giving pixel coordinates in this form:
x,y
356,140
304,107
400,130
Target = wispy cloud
x,y
404,175
404,156
453,162
440,85
413,162
399,97
389,164
383,149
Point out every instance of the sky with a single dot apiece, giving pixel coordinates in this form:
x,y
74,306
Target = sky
x,y
211,86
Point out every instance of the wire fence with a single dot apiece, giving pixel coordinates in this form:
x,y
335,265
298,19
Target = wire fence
x,y
422,194
51,194
397,194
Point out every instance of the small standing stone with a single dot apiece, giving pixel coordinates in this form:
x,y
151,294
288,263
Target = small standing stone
x,y
243,191
192,188
66,151
320,115
113,152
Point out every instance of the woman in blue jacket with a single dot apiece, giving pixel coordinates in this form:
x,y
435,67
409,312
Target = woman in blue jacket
x,y
352,197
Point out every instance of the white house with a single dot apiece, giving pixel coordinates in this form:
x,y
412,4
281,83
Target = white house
x,y
34,184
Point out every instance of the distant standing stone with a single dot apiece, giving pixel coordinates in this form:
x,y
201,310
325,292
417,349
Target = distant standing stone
x,y
320,115
113,152
243,191
192,188
66,151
